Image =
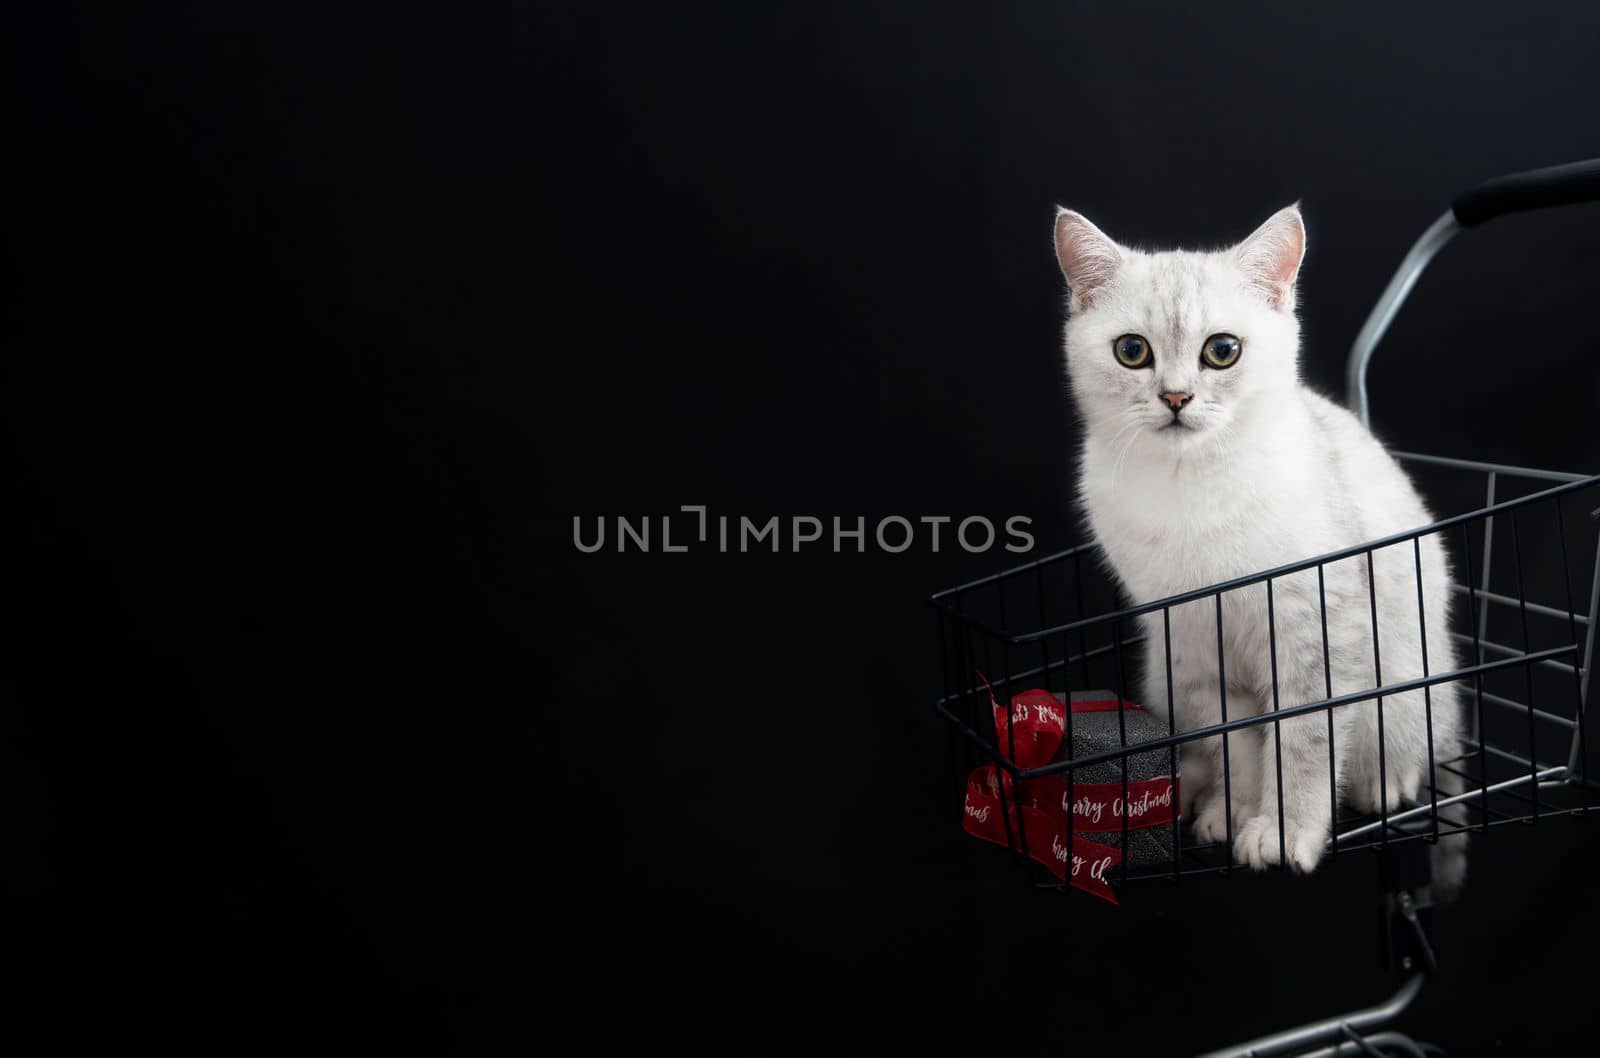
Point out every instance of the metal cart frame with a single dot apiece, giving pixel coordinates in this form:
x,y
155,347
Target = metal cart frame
x,y
1523,761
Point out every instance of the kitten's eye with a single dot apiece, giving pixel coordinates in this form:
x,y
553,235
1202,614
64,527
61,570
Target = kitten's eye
x,y
1221,350
1132,351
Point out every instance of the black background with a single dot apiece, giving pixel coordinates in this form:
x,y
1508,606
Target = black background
x,y
327,322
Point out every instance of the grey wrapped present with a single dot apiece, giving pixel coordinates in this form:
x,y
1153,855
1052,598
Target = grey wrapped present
x,y
1097,789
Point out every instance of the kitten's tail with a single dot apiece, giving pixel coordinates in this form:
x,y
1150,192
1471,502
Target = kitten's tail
x,y
1449,854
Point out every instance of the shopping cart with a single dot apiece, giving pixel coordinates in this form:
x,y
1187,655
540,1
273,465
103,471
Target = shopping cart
x,y
1525,621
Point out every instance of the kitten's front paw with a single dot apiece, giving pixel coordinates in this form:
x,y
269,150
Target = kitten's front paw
x,y
1194,787
1188,797
1211,823
1257,844
1403,786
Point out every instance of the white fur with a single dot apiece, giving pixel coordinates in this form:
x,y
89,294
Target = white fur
x,y
1259,471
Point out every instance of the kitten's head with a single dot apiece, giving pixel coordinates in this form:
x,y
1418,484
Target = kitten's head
x,y
1176,346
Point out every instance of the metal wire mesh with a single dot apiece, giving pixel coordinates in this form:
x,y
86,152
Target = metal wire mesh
x,y
1526,561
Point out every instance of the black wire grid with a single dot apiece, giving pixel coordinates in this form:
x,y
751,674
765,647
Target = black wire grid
x,y
1054,623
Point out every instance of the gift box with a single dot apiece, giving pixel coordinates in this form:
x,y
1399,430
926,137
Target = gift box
x,y
1076,828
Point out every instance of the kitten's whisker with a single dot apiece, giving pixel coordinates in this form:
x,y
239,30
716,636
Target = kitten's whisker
x,y
1123,455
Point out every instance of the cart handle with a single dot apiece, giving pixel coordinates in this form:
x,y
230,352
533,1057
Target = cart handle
x,y
1558,185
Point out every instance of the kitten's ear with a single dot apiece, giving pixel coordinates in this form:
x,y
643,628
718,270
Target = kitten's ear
x,y
1271,256
1087,257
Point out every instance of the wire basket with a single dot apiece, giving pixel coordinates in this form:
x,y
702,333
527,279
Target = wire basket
x,y
1523,560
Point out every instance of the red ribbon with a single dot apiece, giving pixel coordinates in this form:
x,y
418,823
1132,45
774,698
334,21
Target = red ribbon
x,y
1036,727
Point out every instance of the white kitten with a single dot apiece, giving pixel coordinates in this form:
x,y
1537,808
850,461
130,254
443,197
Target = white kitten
x,y
1204,459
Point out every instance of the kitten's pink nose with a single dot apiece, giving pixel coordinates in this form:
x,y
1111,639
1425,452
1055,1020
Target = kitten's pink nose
x,y
1177,400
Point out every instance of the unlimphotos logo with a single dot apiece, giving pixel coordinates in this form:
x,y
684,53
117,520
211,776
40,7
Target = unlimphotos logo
x,y
893,534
